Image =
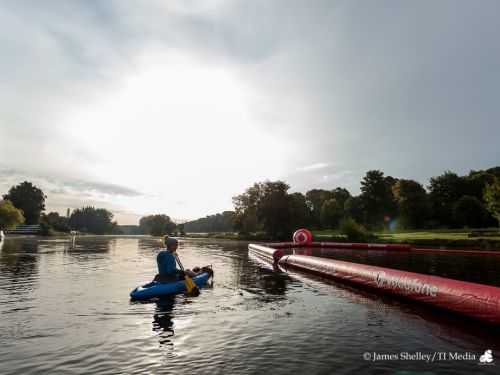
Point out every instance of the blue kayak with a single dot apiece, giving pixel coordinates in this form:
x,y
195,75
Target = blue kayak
x,y
157,289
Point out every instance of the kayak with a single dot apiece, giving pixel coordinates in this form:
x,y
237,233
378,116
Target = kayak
x,y
158,289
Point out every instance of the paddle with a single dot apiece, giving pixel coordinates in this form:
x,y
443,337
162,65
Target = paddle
x,y
191,288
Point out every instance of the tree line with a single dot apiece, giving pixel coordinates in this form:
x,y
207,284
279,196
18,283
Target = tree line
x,y
385,202
25,203
223,222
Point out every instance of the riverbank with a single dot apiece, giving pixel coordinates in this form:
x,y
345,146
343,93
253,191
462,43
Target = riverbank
x,y
458,239
451,239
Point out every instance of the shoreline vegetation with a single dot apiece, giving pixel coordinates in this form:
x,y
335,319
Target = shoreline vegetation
x,y
443,239
452,239
452,211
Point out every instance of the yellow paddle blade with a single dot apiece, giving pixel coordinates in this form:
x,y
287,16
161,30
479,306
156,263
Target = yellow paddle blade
x,y
191,287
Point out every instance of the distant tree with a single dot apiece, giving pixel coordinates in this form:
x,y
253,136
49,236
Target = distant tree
x,y
247,222
333,208
266,206
245,207
331,213
413,204
468,211
353,208
157,225
221,222
300,215
492,198
495,171
476,182
273,210
341,195
92,220
444,191
315,199
56,221
376,195
10,216
29,199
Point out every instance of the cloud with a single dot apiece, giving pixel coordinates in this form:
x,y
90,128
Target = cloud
x,y
313,167
56,185
179,101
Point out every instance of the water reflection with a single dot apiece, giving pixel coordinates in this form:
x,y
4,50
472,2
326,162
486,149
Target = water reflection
x,y
162,320
237,264
253,320
148,245
19,259
85,249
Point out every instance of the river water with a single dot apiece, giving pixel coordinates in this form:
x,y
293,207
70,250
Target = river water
x,y
65,309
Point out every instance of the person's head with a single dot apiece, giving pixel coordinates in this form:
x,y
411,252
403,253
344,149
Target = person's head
x,y
171,243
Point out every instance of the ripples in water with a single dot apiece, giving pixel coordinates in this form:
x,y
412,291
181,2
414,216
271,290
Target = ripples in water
x,y
65,309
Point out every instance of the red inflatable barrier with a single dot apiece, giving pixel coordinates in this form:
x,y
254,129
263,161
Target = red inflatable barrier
x,y
470,299
376,246
373,246
268,253
343,245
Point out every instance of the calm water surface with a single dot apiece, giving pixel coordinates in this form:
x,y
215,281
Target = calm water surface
x,y
65,309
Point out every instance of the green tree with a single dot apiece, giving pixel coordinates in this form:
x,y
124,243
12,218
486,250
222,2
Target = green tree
x,y
331,213
469,211
444,191
475,183
413,203
157,225
221,222
266,206
56,221
315,199
92,220
376,195
245,207
300,215
29,199
341,195
273,210
492,198
353,208
10,216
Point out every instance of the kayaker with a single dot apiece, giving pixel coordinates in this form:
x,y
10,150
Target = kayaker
x,y
167,266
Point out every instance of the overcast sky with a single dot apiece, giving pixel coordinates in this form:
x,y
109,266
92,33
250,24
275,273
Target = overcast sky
x,y
174,107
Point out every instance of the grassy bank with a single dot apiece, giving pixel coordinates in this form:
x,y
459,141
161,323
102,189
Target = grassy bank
x,y
444,238
439,238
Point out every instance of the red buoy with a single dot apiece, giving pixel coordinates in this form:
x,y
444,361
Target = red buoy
x,y
302,237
